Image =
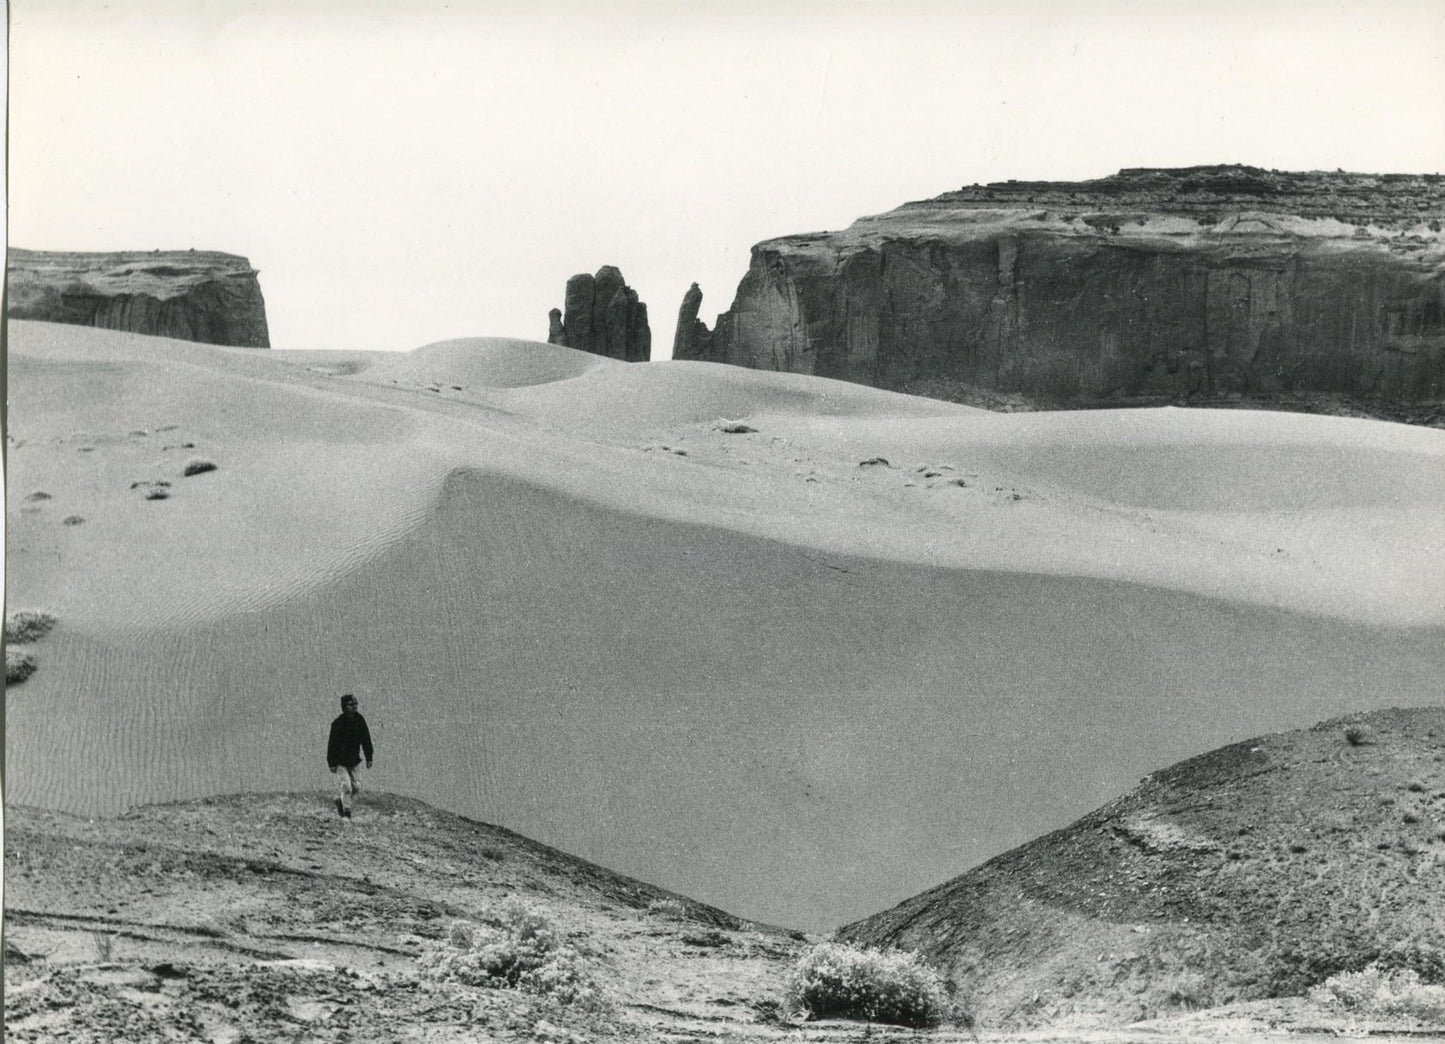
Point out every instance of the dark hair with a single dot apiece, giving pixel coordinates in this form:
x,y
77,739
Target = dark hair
x,y
348,698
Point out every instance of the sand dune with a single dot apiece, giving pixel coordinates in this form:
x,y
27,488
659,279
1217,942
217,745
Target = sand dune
x,y
745,666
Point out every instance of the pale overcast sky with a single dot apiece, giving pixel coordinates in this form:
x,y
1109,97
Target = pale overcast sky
x,y
403,172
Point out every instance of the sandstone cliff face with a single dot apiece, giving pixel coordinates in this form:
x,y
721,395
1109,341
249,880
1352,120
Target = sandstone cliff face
x,y
1150,284
603,316
191,295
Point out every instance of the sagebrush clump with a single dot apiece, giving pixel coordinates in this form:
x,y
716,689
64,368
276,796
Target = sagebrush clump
x,y
1357,735
837,981
1187,989
517,948
19,665
1377,991
28,626
22,628
668,908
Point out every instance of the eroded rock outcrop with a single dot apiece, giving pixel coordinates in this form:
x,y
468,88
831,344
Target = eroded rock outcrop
x,y
604,316
693,338
191,295
1151,284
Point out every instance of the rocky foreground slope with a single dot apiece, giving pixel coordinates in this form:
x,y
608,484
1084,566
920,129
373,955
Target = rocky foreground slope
x,y
1200,283
265,917
1253,871
191,295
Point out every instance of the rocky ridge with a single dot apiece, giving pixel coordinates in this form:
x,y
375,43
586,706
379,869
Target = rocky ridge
x,y
1199,284
1251,872
191,295
603,316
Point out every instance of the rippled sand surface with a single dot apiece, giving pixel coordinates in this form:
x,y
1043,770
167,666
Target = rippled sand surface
x,y
745,666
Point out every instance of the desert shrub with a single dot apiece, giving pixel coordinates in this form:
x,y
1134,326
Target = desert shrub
x,y
768,1011
1357,735
834,980
517,949
28,626
667,908
19,665
1379,991
197,467
1187,989
705,940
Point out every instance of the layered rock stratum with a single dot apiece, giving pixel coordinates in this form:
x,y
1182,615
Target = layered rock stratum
x,y
1251,872
1149,285
190,295
603,316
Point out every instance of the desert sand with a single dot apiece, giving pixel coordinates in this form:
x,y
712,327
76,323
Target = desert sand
x,y
746,666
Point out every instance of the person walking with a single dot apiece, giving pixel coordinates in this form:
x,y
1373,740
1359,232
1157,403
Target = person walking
x,y
349,739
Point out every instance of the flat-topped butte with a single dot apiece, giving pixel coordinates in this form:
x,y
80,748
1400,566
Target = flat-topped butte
x,y
193,295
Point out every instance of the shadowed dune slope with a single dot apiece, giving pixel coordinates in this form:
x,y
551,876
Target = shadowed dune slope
x,y
753,671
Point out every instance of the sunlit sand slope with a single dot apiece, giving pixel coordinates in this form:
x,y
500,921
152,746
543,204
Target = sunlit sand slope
x,y
743,665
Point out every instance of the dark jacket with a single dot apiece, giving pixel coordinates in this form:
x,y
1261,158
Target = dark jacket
x,y
348,738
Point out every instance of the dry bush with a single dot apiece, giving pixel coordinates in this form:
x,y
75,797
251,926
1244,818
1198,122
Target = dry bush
x,y
1377,991
28,626
838,981
198,467
1186,989
518,949
668,908
19,665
